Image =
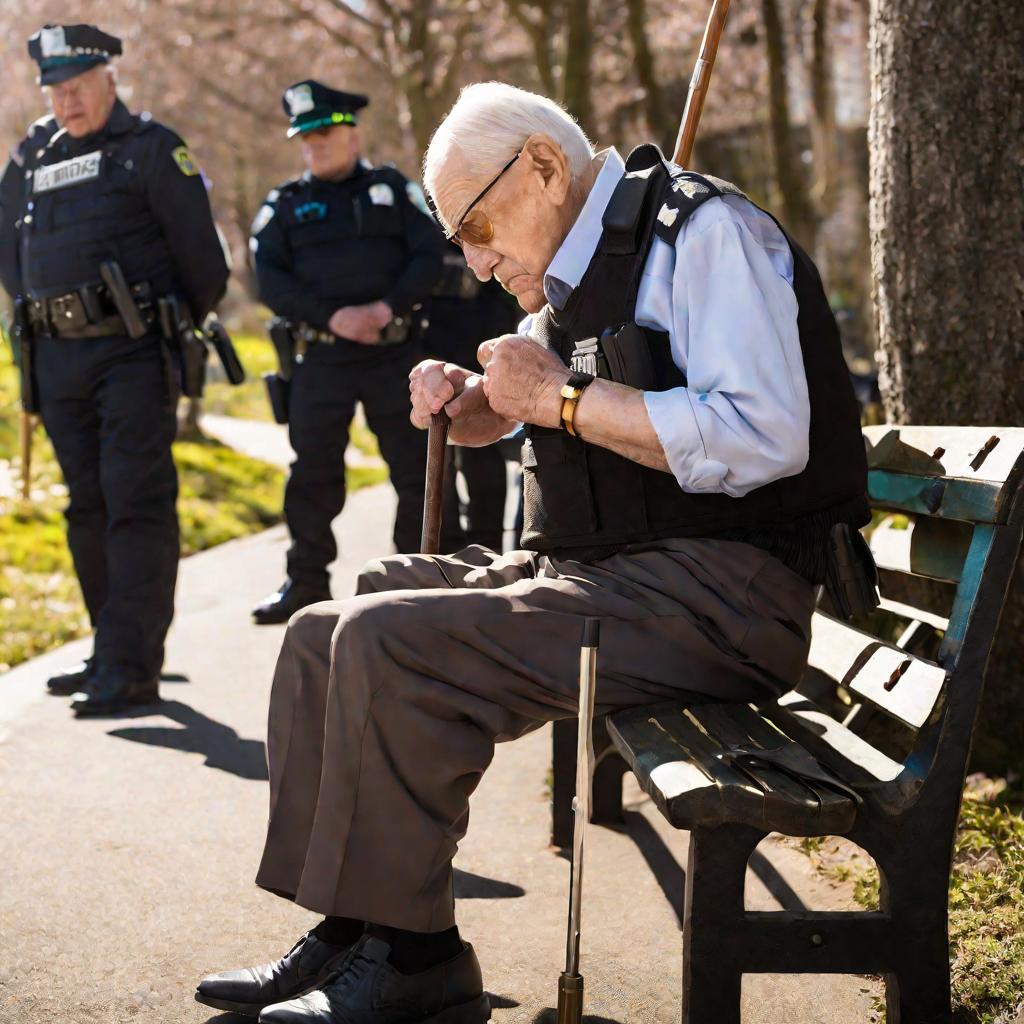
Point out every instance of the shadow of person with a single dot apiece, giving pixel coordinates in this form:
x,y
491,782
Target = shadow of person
x,y
478,887
218,743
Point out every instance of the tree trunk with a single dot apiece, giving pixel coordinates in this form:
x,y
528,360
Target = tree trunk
x,y
946,136
578,46
660,125
797,210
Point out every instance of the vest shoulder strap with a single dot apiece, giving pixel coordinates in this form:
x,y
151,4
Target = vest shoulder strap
x,y
623,220
685,192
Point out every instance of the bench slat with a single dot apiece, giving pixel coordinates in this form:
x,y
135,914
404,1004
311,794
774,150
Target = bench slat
x,y
692,762
904,686
853,758
934,548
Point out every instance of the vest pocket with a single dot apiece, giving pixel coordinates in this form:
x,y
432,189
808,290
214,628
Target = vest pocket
x,y
557,500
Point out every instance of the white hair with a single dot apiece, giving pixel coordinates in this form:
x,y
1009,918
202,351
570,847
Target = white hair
x,y
488,125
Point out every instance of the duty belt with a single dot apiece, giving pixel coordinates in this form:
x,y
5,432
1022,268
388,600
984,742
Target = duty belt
x,y
86,312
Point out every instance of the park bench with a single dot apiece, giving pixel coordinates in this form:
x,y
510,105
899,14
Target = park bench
x,y
872,746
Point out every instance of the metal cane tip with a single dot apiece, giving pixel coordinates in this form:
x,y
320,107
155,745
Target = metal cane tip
x,y
591,632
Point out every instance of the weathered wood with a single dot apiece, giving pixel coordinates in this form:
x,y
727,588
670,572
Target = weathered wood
x,y
718,764
934,548
902,685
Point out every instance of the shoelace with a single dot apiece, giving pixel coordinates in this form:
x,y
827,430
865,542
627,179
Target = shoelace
x,y
354,970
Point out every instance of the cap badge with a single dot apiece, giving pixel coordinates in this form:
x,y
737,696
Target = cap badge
x,y
300,100
52,42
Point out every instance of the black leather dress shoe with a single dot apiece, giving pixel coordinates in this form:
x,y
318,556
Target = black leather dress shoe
x,y
305,966
72,679
284,603
368,990
110,695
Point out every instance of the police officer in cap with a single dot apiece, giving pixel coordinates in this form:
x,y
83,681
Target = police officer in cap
x,y
112,217
346,253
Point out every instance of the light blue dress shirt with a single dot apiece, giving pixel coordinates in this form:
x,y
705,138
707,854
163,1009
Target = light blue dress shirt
x,y
724,294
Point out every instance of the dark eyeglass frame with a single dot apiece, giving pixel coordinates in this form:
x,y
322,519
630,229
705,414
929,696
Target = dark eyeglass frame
x,y
453,235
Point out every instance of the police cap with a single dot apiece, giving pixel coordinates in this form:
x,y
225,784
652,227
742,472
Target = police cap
x,y
63,51
311,105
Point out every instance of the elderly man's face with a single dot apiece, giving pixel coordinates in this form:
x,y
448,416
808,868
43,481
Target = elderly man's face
x,y
83,104
531,209
330,153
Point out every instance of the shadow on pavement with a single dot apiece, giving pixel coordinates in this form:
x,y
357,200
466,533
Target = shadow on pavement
x,y
549,1015
478,887
219,744
775,883
666,869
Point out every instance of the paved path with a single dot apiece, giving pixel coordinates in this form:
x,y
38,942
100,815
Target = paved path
x,y
128,846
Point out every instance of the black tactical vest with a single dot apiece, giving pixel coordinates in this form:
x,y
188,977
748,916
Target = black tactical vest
x,y
585,502
85,203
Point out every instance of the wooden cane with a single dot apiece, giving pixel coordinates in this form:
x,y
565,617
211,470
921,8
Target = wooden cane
x,y
26,454
699,83
437,440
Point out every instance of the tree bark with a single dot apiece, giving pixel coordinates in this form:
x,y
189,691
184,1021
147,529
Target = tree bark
x,y
578,46
660,125
797,210
946,136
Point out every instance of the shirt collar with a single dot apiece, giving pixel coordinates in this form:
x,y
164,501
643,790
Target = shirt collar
x,y
570,262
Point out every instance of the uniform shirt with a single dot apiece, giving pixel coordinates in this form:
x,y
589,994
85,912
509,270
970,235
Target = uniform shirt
x,y
12,192
156,162
320,245
724,294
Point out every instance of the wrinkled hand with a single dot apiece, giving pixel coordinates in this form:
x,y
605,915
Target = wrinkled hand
x,y
522,380
434,386
361,324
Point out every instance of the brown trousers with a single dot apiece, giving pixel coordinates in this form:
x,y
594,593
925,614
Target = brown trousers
x,y
386,707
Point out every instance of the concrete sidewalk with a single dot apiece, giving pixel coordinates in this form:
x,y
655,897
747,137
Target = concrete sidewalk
x,y
129,846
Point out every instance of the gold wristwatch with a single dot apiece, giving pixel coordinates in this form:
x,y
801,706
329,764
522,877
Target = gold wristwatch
x,y
571,392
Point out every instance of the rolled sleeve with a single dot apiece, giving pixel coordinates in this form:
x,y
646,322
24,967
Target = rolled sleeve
x,y
743,420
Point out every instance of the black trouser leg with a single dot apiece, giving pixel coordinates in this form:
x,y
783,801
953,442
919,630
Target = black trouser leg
x,y
384,393
484,472
323,400
69,415
140,488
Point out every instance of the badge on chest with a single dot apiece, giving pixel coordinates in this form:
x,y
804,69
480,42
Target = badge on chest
x,y
306,213
68,172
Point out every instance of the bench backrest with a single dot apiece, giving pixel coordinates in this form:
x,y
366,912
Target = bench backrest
x,y
948,509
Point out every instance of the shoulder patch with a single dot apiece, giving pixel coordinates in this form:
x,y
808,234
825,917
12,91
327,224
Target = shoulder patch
x,y
382,194
183,159
264,215
417,198
684,192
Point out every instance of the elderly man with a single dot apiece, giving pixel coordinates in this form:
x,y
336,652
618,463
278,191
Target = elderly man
x,y
692,437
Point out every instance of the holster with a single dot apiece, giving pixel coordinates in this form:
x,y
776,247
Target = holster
x,y
282,337
279,392
851,574
180,333
622,354
24,339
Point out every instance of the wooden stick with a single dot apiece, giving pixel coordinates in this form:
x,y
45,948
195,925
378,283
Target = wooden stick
x,y
437,440
699,83
26,454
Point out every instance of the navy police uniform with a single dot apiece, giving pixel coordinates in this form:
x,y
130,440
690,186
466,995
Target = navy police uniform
x,y
463,312
129,193
320,245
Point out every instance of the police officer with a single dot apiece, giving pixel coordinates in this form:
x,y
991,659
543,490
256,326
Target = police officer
x,y
109,197
464,311
346,252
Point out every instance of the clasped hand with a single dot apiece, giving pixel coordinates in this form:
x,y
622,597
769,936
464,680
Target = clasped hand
x,y
520,384
362,324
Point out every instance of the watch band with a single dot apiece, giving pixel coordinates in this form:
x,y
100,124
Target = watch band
x,y
571,392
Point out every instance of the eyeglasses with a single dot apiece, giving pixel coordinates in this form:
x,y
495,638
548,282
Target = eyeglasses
x,y
474,226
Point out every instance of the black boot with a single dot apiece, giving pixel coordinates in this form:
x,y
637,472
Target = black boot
x,y
371,990
71,679
305,966
285,602
111,694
